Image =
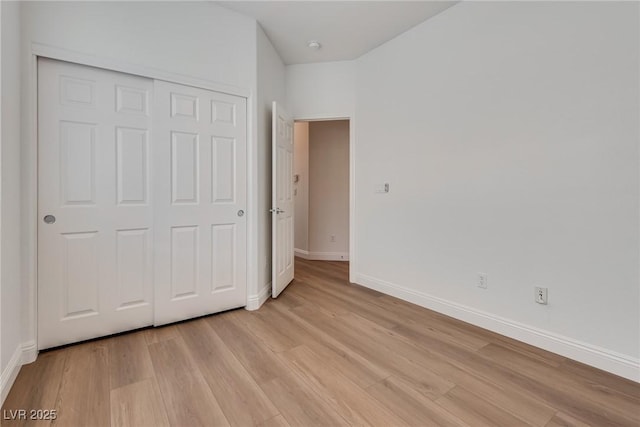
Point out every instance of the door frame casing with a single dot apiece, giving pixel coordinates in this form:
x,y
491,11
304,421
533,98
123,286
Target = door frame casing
x,y
352,177
29,172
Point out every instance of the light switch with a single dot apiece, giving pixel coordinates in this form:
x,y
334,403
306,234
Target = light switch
x,y
382,188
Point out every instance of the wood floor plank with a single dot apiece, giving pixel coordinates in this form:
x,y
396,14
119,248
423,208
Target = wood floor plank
x,y
138,405
564,420
441,322
386,353
271,337
351,364
417,318
523,406
129,359
299,405
85,387
412,406
476,412
598,394
388,315
346,297
451,336
325,352
352,403
239,396
423,374
598,377
528,408
277,421
313,296
37,386
495,372
186,395
163,333
529,351
255,356
289,299
296,402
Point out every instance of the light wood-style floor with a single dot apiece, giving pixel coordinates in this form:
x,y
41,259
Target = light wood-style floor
x,y
324,353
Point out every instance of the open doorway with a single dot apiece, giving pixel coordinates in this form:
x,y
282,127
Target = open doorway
x,y
321,189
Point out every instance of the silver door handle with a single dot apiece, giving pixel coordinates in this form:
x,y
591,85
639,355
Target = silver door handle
x,y
276,210
49,219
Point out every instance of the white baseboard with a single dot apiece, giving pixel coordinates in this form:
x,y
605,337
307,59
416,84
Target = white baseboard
x,y
301,253
607,360
10,372
322,256
29,352
255,301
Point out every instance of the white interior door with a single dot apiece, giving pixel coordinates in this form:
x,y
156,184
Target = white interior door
x,y
282,200
95,235
200,193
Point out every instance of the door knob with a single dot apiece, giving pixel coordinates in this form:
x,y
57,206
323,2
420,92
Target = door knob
x,y
49,219
240,212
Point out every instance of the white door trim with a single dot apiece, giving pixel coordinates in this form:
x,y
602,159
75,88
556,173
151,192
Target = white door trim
x,y
29,166
352,178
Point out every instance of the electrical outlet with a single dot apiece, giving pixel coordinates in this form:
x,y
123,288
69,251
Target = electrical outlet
x,y
482,280
332,238
541,295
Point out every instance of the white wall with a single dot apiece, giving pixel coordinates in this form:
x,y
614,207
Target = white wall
x,y
10,280
301,188
196,39
509,134
271,87
329,188
321,90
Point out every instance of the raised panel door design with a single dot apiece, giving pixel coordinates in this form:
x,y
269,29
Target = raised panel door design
x,y
185,106
282,236
133,267
184,262
77,163
80,275
223,174
282,200
223,112
184,167
131,148
77,92
223,251
281,173
131,100
200,170
123,162
289,250
288,176
95,260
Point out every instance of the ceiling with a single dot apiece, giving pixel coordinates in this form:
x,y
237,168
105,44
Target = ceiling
x,y
345,29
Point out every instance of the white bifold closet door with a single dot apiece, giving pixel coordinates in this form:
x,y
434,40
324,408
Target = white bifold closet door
x,y
137,180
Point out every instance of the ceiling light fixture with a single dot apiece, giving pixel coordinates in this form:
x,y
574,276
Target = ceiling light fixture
x,y
313,44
